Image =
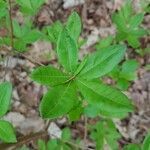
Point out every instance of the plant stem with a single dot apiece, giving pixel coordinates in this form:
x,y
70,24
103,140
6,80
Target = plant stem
x,y
11,25
23,140
85,130
32,60
12,39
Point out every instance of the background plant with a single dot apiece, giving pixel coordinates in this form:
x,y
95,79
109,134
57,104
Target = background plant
x,y
7,133
128,25
75,86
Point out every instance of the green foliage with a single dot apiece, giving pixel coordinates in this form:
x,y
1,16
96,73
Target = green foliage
x,y
104,132
128,25
109,101
57,144
73,86
49,75
144,146
41,145
125,73
143,51
145,6
5,96
103,61
53,31
132,147
24,35
78,78
73,29
58,101
30,7
146,143
104,43
76,112
67,51
74,25
3,9
7,133
6,130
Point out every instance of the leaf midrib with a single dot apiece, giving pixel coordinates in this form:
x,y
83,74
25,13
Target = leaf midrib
x,y
57,102
94,66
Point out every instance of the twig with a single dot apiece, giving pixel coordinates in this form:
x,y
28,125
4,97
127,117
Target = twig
x,y
48,124
85,130
11,38
31,60
5,69
23,140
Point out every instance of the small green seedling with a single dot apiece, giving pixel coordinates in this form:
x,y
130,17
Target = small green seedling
x,y
77,83
125,73
128,25
104,132
63,143
24,35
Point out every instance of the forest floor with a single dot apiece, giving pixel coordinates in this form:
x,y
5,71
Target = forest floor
x,y
97,24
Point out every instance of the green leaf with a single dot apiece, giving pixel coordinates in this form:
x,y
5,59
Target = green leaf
x,y
5,97
81,66
111,134
66,134
91,111
20,45
128,71
136,20
76,112
130,66
54,31
74,25
67,51
105,131
48,75
3,10
17,29
52,145
132,147
146,143
111,102
126,9
7,133
104,43
119,20
133,41
98,135
58,101
41,145
121,36
102,62
32,36
137,32
65,147
36,4
123,84
30,7
25,6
